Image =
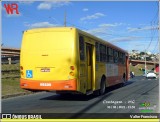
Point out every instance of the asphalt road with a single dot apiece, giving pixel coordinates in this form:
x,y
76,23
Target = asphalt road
x,y
137,94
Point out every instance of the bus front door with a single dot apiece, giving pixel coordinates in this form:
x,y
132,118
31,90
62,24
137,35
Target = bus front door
x,y
89,65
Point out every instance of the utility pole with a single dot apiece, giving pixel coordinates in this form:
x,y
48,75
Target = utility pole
x,y
159,41
145,67
65,19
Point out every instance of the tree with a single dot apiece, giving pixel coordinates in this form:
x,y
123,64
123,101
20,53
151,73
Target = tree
x,y
142,53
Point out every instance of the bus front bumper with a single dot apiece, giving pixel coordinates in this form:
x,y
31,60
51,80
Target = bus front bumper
x,y
49,85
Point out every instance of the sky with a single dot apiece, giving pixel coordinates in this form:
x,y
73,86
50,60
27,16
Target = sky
x,y
129,25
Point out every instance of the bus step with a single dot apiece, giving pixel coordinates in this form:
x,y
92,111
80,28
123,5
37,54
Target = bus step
x,y
88,92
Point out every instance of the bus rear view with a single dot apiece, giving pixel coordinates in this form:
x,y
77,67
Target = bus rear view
x,y
48,59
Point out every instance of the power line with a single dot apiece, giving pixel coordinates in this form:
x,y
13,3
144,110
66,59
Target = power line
x,y
153,25
152,37
157,43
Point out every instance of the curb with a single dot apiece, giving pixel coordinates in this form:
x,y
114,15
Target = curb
x,y
17,94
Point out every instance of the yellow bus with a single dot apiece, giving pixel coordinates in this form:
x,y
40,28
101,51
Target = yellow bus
x,y
68,60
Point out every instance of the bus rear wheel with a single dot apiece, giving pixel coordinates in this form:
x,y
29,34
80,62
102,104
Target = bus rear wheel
x,y
102,87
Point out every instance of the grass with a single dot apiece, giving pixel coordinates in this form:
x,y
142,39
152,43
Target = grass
x,y
10,74
10,67
137,71
11,86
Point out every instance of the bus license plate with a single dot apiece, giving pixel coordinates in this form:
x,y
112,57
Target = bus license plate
x,y
45,70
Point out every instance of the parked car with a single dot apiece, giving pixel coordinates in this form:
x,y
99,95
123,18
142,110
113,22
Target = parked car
x,y
151,75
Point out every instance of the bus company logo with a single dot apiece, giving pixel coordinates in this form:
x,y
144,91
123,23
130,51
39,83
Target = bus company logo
x,y
11,8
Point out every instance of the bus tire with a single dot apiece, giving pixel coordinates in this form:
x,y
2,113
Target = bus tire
x,y
102,86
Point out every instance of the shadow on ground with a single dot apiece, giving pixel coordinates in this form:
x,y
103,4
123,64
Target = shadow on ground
x,y
79,97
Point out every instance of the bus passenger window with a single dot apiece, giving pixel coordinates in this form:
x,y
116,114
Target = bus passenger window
x,y
120,57
102,53
97,51
110,53
123,59
81,47
115,56
106,54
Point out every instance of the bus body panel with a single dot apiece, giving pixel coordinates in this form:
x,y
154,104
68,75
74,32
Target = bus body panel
x,y
48,54
52,57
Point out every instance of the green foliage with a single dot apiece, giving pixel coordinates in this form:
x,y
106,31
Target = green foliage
x,y
10,79
139,69
142,53
136,70
10,67
11,86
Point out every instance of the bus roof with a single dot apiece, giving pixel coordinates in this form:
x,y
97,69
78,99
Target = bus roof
x,y
102,41
34,30
80,31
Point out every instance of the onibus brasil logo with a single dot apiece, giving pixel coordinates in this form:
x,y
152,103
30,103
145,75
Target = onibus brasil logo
x,y
146,107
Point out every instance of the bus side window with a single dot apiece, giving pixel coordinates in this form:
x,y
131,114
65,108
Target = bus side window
x,y
102,53
106,54
97,51
123,59
115,56
110,53
81,47
120,58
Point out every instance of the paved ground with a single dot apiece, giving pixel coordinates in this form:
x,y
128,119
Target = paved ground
x,y
137,94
